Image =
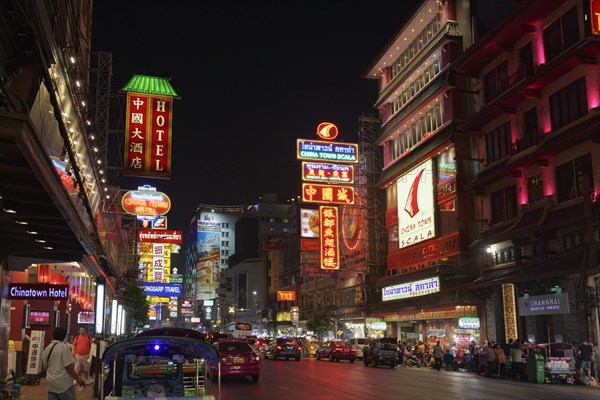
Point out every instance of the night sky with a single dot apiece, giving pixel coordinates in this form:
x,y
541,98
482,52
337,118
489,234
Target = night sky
x,y
253,76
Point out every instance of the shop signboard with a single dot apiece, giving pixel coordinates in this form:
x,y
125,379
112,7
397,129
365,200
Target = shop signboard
x,y
330,194
34,356
146,202
309,257
547,304
86,317
37,291
161,289
595,18
327,173
160,236
329,235
286,295
284,316
312,271
411,289
310,244
317,150
469,323
309,223
416,211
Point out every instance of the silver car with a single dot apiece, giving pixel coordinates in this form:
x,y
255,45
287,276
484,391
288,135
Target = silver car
x,y
358,344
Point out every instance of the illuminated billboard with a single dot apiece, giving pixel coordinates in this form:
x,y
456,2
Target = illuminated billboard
x,y
161,236
286,295
330,248
333,194
309,223
148,127
145,202
416,211
327,173
411,289
318,150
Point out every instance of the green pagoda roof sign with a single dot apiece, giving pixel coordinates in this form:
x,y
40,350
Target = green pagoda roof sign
x,y
150,85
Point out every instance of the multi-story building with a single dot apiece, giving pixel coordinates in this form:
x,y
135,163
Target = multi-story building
x,y
533,81
56,218
429,219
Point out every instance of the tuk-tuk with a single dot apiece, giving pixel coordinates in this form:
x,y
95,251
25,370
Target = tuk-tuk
x,y
559,361
158,366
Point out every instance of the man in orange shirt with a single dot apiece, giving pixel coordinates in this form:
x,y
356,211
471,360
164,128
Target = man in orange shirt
x,y
81,352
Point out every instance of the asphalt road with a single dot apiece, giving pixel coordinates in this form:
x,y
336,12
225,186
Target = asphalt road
x,y
323,380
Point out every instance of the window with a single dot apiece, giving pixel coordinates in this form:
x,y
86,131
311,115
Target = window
x,y
535,188
496,82
568,104
498,143
526,60
530,125
572,240
504,204
561,34
574,179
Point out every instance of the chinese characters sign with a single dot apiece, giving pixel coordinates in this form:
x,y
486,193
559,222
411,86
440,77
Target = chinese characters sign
x,y
148,135
309,223
330,250
327,173
333,194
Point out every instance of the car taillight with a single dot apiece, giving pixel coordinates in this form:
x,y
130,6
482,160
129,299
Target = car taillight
x,y
299,348
278,347
353,350
338,349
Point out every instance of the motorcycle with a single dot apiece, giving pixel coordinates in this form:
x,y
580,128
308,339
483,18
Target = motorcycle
x,y
412,361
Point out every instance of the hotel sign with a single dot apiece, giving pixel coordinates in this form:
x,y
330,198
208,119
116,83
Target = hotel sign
x,y
37,291
317,150
148,135
329,235
411,289
327,173
332,194
554,303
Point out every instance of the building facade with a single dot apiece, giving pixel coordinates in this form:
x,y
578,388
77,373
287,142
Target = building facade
x,y
533,83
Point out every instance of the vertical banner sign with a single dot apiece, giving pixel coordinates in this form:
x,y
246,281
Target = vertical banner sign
x,y
136,131
148,135
595,16
36,348
158,262
330,251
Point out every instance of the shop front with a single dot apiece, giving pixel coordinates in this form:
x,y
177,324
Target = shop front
x,y
452,326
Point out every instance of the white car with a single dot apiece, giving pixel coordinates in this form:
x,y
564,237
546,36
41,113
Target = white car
x,y
358,344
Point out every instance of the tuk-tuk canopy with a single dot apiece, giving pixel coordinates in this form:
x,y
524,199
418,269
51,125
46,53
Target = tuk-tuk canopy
x,y
162,346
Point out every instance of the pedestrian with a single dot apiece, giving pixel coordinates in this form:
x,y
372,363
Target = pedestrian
x,y
596,361
438,353
490,358
58,362
450,361
81,352
586,352
500,361
516,356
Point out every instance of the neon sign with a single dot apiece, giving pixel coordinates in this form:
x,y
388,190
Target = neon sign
x,y
411,289
327,173
330,248
327,131
312,193
286,295
326,151
145,202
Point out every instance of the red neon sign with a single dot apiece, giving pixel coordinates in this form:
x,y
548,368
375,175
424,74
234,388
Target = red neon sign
x,y
160,236
327,131
286,295
148,135
330,248
327,173
313,193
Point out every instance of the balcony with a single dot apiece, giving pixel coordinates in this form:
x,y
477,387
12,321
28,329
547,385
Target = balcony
x,y
531,139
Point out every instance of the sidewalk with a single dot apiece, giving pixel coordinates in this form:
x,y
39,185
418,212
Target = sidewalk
x,y
39,392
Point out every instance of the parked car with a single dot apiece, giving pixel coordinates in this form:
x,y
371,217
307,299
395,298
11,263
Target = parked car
x,y
358,344
310,348
381,352
283,348
336,350
237,359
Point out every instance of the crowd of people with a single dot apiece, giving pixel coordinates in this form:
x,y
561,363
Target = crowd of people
x,y
495,359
